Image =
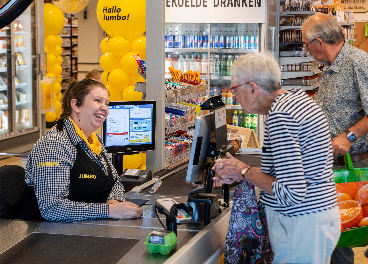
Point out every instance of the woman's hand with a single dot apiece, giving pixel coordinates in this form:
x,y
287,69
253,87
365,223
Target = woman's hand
x,y
122,210
229,170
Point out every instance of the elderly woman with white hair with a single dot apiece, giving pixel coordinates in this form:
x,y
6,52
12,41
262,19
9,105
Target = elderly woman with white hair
x,y
295,177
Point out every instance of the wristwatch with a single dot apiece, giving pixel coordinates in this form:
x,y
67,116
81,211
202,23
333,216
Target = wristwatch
x,y
243,172
351,136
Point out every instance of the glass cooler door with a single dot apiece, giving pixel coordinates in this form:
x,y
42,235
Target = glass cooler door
x,y
25,76
5,78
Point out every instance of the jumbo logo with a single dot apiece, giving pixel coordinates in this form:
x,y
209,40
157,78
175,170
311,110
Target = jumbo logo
x,y
87,176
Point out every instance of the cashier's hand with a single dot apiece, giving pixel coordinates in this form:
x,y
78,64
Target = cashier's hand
x,y
122,210
229,170
341,144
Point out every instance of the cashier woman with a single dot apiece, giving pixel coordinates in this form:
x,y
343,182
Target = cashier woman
x,y
68,175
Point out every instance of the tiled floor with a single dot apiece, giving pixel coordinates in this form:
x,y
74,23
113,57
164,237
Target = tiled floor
x,y
359,252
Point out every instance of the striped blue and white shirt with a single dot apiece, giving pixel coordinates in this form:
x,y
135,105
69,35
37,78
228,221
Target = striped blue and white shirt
x,y
297,152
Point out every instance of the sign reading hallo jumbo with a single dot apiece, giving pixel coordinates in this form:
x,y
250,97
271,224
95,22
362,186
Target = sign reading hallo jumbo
x,y
125,18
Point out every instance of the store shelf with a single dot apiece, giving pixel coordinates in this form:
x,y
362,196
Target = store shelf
x,y
19,33
345,24
292,13
21,67
290,27
292,60
304,87
21,85
3,87
3,69
21,103
22,49
288,75
233,107
4,106
226,51
3,51
216,77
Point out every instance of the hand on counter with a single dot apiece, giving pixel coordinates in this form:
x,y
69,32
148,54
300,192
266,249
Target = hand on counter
x,y
122,210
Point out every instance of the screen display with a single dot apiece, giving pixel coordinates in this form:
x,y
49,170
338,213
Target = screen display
x,y
130,125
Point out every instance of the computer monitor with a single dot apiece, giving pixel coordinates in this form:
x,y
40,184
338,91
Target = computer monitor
x,y
208,141
130,126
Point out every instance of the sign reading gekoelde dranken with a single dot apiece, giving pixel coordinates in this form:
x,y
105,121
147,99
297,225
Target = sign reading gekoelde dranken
x,y
114,11
216,3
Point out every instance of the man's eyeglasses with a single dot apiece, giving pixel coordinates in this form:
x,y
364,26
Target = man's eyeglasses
x,y
306,44
234,87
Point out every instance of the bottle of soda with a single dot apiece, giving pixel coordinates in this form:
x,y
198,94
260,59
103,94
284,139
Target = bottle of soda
x,y
193,63
229,62
235,118
223,66
247,120
254,122
240,118
229,99
224,96
217,65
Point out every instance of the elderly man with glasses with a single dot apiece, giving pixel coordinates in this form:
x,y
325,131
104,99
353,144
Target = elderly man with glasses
x,y
342,95
296,179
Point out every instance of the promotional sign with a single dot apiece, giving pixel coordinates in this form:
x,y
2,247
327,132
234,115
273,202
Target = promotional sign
x,y
215,11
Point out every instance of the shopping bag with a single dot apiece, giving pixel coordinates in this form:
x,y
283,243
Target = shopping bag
x,y
352,198
247,223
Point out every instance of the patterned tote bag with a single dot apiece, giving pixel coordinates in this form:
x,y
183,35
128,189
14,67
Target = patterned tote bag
x,y
247,222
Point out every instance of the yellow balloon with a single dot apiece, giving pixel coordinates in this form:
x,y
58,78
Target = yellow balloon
x,y
114,94
118,78
109,62
128,63
132,161
51,60
104,78
57,88
122,18
56,69
118,45
50,75
58,79
59,40
136,96
104,46
135,77
57,107
50,117
53,19
59,60
56,50
59,96
138,46
71,6
127,91
47,50
50,41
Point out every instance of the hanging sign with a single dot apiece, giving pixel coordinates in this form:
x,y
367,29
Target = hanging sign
x,y
215,11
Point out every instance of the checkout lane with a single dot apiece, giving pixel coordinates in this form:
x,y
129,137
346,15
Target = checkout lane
x,y
116,241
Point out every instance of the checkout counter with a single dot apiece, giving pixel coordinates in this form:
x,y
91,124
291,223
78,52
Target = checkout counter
x,y
117,241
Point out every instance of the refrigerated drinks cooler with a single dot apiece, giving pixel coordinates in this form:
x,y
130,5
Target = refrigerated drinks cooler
x,y
20,74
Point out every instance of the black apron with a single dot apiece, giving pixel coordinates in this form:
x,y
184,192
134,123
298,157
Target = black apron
x,y
88,183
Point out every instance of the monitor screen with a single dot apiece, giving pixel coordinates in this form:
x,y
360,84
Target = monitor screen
x,y
130,126
210,130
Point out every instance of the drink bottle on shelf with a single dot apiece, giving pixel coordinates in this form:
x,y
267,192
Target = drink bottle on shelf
x,y
247,120
240,118
181,64
223,65
235,118
229,99
168,64
193,63
217,65
229,62
211,64
224,96
204,64
199,64
186,63
254,122
176,62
